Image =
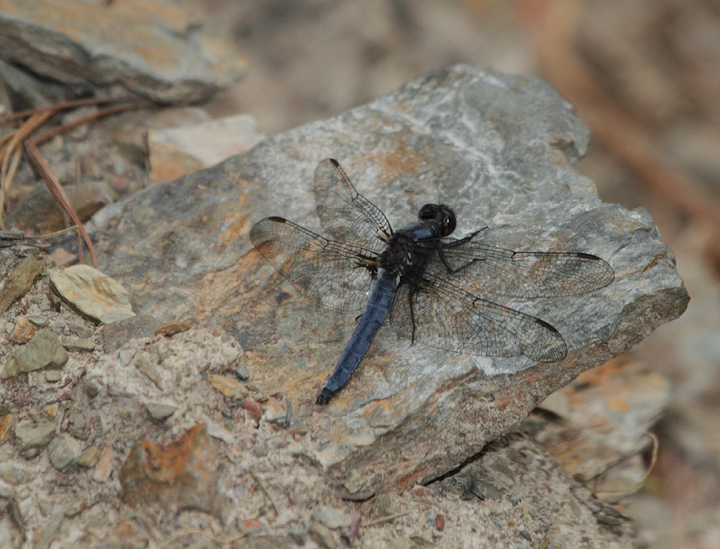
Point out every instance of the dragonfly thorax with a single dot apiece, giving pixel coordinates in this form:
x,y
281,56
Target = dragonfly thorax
x,y
397,253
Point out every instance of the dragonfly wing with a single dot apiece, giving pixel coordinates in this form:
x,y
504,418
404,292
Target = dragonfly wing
x,y
332,274
346,214
484,270
437,314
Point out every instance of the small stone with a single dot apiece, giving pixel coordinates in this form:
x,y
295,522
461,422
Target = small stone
x,y
12,474
79,344
93,293
28,435
19,282
242,372
230,354
482,489
7,424
42,351
355,482
332,518
181,475
52,409
37,320
159,410
170,330
75,508
89,457
323,536
104,465
23,331
118,333
53,376
229,387
149,370
126,356
64,452
77,423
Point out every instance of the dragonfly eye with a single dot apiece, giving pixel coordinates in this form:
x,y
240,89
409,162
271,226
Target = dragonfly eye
x,y
448,221
442,216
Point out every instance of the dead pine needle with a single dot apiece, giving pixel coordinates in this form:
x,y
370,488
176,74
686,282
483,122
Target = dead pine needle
x,y
260,484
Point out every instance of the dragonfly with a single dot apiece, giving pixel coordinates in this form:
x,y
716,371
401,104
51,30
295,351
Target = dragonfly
x,y
430,288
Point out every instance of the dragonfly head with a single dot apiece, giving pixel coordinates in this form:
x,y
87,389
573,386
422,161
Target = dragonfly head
x,y
442,217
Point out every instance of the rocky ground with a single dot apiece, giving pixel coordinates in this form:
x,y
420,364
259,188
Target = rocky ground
x,y
65,448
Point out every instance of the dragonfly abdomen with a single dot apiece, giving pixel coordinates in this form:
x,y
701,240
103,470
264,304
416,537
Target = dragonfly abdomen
x,y
379,303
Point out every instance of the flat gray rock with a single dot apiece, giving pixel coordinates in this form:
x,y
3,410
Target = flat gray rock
x,y
500,150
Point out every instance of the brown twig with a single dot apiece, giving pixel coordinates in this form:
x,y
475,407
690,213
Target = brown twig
x,y
46,173
17,138
60,107
260,484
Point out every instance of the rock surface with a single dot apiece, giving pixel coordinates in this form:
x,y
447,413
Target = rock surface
x,y
500,150
82,45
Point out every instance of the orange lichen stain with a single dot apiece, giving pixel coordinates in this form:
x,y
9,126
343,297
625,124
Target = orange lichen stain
x,y
398,160
240,225
619,404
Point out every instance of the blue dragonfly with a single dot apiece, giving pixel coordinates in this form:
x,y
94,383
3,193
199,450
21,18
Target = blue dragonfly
x,y
428,287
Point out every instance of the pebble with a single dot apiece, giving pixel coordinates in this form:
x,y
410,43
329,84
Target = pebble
x,y
52,409
19,282
42,351
12,474
118,333
230,354
28,435
93,293
323,536
149,370
64,452
39,321
242,372
180,475
23,331
229,387
89,457
53,376
7,424
77,423
104,465
126,356
79,344
354,482
159,410
332,518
